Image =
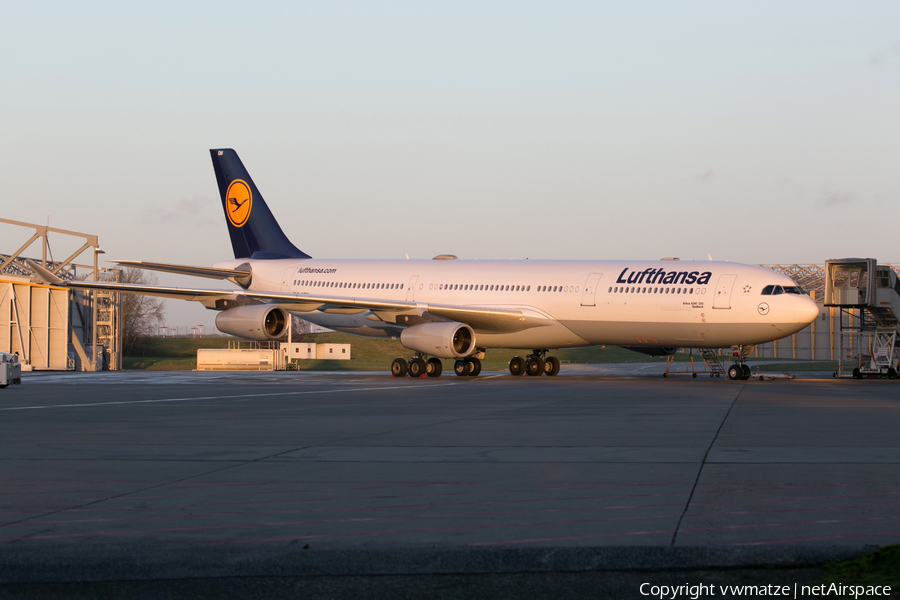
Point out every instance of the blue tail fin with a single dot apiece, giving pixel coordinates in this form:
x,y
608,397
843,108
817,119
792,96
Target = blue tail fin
x,y
254,231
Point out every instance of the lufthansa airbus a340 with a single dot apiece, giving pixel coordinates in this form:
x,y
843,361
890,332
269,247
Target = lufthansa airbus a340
x,y
447,308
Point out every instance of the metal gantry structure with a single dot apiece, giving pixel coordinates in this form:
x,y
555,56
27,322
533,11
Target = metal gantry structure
x,y
52,327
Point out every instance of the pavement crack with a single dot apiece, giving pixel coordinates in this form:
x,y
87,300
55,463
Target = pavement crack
x,y
687,504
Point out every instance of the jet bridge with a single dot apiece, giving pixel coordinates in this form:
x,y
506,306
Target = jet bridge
x,y
868,296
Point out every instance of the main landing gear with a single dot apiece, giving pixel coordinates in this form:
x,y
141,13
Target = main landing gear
x,y
535,364
467,367
418,366
739,371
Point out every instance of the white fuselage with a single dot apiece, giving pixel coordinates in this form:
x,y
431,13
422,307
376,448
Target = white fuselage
x,y
579,303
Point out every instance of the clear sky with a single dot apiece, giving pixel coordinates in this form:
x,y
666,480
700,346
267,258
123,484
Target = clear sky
x,y
757,132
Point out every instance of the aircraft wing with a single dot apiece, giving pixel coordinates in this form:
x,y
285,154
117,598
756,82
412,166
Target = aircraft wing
x,y
486,318
479,318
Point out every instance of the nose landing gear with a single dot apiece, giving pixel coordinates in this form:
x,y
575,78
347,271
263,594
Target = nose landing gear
x,y
739,371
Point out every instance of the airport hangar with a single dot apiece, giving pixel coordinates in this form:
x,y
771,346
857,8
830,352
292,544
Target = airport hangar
x,y
53,328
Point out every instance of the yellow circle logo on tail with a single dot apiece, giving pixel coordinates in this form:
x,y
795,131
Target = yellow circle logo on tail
x,y
238,202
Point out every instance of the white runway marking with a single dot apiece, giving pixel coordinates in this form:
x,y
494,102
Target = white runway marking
x,y
368,389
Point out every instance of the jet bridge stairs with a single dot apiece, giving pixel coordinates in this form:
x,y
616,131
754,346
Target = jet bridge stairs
x,y
868,296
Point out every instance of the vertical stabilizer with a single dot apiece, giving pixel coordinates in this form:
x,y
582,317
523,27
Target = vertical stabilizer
x,y
254,231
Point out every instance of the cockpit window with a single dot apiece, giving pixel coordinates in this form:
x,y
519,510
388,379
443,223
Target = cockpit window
x,y
775,290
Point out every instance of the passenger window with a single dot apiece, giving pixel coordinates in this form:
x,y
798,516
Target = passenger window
x,y
528,289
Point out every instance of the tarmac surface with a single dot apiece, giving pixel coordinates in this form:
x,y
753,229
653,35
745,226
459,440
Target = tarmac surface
x,y
180,484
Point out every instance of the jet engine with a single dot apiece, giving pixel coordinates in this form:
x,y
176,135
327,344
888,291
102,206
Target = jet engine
x,y
259,322
444,340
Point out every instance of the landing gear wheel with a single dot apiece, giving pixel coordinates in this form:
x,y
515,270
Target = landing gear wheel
x,y
416,367
476,367
461,367
398,368
516,366
856,373
551,366
434,367
735,372
746,371
534,366
892,373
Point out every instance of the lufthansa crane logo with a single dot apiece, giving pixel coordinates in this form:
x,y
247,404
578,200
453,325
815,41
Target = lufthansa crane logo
x,y
238,202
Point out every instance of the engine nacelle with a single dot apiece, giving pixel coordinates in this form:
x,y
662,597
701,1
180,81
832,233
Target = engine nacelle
x,y
444,340
259,322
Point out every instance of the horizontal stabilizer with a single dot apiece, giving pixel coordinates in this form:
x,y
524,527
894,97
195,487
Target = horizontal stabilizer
x,y
209,272
154,290
43,274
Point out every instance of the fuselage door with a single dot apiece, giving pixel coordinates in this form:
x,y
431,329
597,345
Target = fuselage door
x,y
411,289
723,291
590,289
287,279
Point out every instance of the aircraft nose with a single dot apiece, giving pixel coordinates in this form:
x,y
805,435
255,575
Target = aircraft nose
x,y
808,311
